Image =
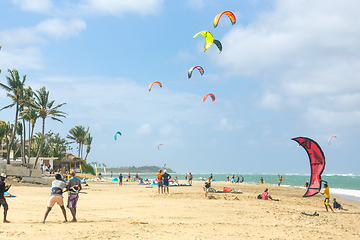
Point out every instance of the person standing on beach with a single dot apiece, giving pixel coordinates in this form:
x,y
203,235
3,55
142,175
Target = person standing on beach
x,y
120,179
111,174
129,176
326,192
261,180
73,187
280,180
207,186
190,178
166,178
4,188
185,176
56,196
159,179
228,178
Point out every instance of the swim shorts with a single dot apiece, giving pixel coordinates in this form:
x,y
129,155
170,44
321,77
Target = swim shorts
x,y
72,201
160,184
4,203
166,184
326,201
55,199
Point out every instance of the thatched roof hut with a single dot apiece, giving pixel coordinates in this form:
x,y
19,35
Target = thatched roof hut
x,y
70,158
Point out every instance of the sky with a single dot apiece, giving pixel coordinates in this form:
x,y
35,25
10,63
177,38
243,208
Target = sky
x,y
288,69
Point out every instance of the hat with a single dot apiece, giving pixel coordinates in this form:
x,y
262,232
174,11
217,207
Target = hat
x,y
3,175
164,171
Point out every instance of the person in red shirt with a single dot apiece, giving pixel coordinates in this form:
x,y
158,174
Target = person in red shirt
x,y
159,179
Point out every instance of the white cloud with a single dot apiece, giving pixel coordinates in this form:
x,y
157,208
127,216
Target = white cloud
x,y
227,125
144,129
303,54
24,59
119,7
60,28
41,6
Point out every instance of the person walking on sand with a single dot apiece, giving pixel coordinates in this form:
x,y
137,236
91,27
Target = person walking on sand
x,y
207,186
159,179
56,196
166,178
4,188
190,178
280,180
120,179
326,192
73,188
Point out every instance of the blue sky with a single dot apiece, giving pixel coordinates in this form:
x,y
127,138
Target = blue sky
x,y
288,69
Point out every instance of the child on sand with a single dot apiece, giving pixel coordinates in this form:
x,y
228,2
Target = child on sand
x,y
337,205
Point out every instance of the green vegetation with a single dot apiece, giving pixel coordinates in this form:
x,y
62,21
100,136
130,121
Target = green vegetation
x,y
142,169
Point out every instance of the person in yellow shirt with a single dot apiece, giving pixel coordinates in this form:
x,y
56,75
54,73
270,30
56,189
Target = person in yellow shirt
x,y
326,192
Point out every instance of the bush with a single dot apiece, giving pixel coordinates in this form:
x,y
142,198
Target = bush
x,y
87,168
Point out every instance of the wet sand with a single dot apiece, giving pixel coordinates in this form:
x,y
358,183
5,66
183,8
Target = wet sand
x,y
131,211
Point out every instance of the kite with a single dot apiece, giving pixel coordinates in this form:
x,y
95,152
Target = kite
x,y
208,37
317,163
209,94
116,134
331,138
227,13
150,86
201,70
160,145
218,44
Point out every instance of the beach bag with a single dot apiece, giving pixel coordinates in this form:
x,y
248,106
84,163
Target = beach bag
x,y
259,196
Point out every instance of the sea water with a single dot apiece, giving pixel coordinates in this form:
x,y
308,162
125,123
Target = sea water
x,y
346,185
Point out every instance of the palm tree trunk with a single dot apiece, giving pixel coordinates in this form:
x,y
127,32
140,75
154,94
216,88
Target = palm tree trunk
x,y
79,149
41,142
23,161
29,144
14,135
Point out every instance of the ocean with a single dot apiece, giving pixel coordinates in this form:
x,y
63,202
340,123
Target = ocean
x,y
346,185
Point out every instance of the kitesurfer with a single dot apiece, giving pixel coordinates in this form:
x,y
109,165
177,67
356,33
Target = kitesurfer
x,y
207,186
211,176
337,205
280,180
266,195
242,179
237,179
261,180
165,177
306,184
120,179
228,178
56,196
4,188
326,192
159,179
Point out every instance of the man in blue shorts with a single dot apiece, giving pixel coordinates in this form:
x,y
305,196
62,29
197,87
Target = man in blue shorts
x,y
166,178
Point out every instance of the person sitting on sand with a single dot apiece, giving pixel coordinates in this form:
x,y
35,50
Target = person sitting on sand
x,y
56,196
266,195
207,186
337,205
326,192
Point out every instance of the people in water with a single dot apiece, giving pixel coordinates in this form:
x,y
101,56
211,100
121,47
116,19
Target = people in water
x,y
207,186
280,180
326,192
306,184
266,195
261,180
337,205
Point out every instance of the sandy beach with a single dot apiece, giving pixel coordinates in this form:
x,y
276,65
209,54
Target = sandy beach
x,y
107,211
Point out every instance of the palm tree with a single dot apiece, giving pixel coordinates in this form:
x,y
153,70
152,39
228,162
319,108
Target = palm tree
x,y
8,133
2,132
26,99
14,90
31,116
88,141
45,109
78,134
19,131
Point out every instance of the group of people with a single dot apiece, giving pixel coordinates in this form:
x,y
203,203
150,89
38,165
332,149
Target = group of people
x,y
163,182
232,179
190,178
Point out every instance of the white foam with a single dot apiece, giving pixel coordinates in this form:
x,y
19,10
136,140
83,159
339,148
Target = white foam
x,y
348,192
